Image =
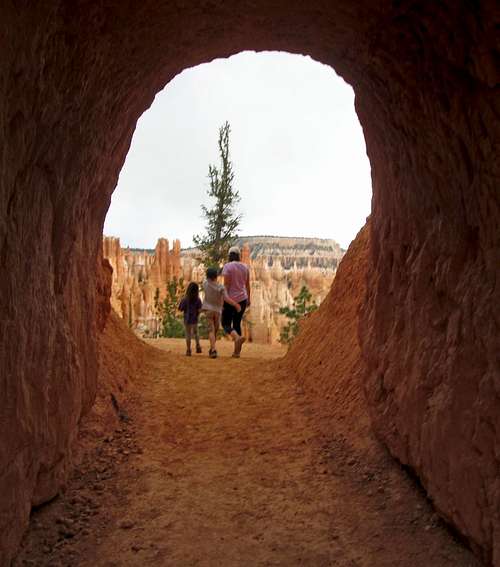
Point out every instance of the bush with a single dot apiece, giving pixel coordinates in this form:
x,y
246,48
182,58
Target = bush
x,y
302,305
172,324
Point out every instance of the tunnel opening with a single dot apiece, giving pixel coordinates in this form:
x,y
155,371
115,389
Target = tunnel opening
x,y
295,143
78,77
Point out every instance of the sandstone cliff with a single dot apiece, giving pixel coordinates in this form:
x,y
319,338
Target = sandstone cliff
x,y
293,252
328,359
326,355
279,267
137,274
427,98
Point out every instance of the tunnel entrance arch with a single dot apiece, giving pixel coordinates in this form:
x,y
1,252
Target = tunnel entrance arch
x,y
294,132
301,171
78,77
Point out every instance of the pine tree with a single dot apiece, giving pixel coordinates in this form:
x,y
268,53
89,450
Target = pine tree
x,y
171,322
222,219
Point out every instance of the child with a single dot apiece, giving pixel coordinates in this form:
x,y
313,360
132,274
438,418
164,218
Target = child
x,y
191,306
215,295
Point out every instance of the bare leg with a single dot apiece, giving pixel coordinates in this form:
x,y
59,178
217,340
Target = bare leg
x,y
239,339
211,336
212,333
231,322
196,337
188,338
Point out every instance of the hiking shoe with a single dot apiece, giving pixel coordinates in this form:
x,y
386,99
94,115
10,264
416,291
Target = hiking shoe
x,y
212,354
198,349
188,352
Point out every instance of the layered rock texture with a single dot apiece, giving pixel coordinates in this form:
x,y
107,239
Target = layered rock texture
x,y
326,357
75,79
137,275
279,267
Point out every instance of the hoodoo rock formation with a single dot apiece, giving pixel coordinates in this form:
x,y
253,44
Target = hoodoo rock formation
x,y
137,274
279,267
75,79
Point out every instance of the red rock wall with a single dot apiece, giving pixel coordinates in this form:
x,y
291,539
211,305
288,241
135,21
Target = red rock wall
x,y
326,356
76,76
430,326
123,361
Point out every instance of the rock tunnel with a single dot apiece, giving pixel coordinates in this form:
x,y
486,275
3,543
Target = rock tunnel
x,y
76,76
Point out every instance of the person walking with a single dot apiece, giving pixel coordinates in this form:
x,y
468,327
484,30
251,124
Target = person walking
x,y
213,299
190,305
237,283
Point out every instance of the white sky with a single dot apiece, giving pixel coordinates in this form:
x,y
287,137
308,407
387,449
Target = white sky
x,y
296,145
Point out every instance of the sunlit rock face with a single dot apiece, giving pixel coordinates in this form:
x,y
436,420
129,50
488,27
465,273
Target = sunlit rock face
x,y
137,275
279,267
76,76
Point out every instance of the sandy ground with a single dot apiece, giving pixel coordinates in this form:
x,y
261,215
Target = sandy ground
x,y
220,462
224,348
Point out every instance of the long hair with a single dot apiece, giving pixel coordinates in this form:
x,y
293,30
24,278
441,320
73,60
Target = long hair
x,y
192,292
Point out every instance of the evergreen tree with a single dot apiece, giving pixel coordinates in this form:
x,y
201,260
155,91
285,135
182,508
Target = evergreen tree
x,y
172,324
222,219
302,305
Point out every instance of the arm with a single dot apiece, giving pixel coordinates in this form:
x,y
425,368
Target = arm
x,y
227,285
227,299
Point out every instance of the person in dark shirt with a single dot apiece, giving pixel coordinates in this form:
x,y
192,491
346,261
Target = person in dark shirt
x,y
190,305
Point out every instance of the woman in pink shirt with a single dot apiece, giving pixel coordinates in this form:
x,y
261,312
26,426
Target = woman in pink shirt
x,y
237,284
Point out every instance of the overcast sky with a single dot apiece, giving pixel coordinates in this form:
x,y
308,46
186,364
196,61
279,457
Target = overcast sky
x,y
296,145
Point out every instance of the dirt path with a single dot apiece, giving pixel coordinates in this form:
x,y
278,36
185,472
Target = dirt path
x,y
220,463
